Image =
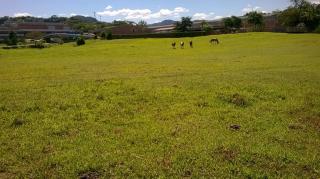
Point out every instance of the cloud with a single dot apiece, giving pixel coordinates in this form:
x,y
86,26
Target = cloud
x,y
108,7
251,8
74,14
144,14
204,16
22,14
314,1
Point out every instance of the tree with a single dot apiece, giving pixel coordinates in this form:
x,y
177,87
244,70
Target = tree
x,y
205,26
109,36
301,12
103,35
142,23
232,22
256,19
228,23
12,39
184,25
290,17
237,22
80,41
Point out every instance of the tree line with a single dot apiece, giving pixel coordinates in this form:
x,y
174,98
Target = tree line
x,y
301,15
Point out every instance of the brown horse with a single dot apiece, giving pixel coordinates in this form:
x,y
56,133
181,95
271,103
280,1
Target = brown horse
x,y
173,45
214,41
191,44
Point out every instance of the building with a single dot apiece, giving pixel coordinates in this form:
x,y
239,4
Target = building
x,y
162,29
270,24
196,26
25,27
128,29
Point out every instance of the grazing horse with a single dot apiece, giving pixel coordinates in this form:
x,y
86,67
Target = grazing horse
x,y
173,45
214,41
181,44
191,44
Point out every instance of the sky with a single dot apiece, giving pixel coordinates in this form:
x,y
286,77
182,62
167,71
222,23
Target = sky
x,y
149,10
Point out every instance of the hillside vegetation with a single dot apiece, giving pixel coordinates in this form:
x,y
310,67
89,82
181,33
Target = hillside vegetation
x,y
248,107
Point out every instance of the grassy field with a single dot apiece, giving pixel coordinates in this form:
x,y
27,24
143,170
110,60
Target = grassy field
x,y
249,107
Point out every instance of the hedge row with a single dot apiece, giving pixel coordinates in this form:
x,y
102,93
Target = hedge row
x,y
38,45
161,35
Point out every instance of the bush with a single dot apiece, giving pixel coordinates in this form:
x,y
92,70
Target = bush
x,y
109,36
317,30
56,40
103,35
162,35
38,44
13,39
80,41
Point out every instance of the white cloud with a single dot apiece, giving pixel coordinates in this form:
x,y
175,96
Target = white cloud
x,y
22,14
251,8
204,16
145,14
314,1
108,7
74,14
218,17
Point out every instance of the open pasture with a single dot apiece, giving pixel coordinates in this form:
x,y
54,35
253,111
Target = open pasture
x,y
249,107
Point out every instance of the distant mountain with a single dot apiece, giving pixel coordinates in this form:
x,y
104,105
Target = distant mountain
x,y
165,22
83,19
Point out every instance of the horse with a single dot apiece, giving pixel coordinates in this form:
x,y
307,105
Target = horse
x,y
191,44
181,44
214,41
173,45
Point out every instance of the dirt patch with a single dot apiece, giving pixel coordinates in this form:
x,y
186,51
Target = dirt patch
x,y
202,104
34,108
312,121
92,174
235,99
238,100
17,122
100,97
235,127
4,109
226,153
295,127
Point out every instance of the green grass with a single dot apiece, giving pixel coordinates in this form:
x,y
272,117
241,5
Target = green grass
x,y
137,108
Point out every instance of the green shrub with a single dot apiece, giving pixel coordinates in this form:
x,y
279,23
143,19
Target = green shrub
x,y
12,39
317,30
38,44
56,40
103,35
109,36
80,41
162,35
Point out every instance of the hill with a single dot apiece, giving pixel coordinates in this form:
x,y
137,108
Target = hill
x,y
165,22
